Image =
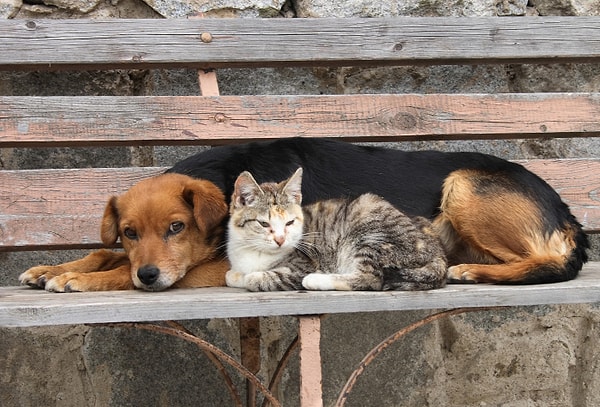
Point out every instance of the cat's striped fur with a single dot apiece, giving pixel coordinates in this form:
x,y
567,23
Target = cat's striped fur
x,y
359,244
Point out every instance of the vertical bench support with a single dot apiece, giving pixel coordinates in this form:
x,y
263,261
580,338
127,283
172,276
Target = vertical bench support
x,y
309,333
249,327
250,353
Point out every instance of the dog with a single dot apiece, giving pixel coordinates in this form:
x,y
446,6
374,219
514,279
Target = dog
x,y
498,222
171,228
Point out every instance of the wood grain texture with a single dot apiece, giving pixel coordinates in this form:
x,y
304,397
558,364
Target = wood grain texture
x,y
59,208
76,121
23,306
63,208
311,376
146,43
578,183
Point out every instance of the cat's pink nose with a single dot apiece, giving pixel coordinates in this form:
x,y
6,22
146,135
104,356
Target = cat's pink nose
x,y
279,240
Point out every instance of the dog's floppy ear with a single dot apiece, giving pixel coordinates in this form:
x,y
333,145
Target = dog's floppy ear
x,y
208,203
109,230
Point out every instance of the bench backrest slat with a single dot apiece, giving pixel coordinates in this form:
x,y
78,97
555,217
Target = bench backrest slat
x,y
72,121
59,208
98,44
63,208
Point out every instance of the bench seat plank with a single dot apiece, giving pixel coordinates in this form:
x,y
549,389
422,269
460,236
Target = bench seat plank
x,y
166,120
177,43
55,208
23,306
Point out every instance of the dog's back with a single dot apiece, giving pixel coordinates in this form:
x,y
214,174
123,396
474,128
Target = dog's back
x,y
332,169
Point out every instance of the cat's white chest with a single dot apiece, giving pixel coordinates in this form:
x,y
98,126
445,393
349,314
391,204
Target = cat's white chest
x,y
245,261
248,261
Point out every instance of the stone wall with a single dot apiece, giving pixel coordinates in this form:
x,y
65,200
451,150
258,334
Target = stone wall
x,y
530,356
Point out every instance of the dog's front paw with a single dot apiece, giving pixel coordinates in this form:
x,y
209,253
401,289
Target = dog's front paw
x,y
38,276
460,274
66,283
116,279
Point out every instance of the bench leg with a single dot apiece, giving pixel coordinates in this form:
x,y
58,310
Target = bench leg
x,y
250,353
311,393
208,83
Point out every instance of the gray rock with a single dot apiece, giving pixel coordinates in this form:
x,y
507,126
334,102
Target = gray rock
x,y
9,8
246,8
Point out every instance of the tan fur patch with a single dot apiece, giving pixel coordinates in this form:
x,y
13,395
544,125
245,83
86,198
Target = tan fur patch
x,y
499,228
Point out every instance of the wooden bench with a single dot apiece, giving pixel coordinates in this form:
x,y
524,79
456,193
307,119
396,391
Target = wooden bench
x,y
61,209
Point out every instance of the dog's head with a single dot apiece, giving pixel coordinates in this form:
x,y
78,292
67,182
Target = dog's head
x,y
167,224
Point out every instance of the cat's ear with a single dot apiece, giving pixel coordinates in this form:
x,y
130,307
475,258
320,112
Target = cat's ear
x,y
245,190
293,187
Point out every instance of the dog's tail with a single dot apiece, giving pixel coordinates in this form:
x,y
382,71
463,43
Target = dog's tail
x,y
529,271
563,268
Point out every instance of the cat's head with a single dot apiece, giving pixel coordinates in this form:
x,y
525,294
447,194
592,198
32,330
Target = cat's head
x,y
268,216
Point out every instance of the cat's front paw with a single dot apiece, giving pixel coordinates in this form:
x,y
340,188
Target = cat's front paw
x,y
255,281
235,279
318,281
277,279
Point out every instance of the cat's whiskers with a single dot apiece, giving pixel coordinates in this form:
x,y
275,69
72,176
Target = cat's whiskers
x,y
308,237
309,249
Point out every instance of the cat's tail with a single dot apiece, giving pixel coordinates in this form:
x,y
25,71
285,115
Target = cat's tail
x,y
430,276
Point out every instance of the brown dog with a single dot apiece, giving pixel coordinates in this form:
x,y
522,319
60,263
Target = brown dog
x,y
171,230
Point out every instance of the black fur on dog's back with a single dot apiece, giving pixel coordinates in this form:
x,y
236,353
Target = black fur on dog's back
x,y
411,180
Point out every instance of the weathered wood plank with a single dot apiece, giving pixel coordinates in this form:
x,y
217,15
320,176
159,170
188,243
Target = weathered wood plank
x,y
311,377
59,208
578,183
72,121
22,307
66,192
98,44
63,208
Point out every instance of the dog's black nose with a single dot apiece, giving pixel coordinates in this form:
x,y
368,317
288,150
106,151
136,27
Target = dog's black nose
x,y
148,274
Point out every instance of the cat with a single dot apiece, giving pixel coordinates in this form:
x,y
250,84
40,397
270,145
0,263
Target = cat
x,y
338,244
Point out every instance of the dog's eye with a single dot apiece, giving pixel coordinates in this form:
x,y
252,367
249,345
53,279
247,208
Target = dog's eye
x,y
176,227
264,224
130,234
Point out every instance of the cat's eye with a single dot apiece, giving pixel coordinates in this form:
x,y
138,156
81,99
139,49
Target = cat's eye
x,y
290,223
176,227
130,234
264,224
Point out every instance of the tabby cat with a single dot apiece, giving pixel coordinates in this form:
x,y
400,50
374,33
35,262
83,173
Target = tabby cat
x,y
353,244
